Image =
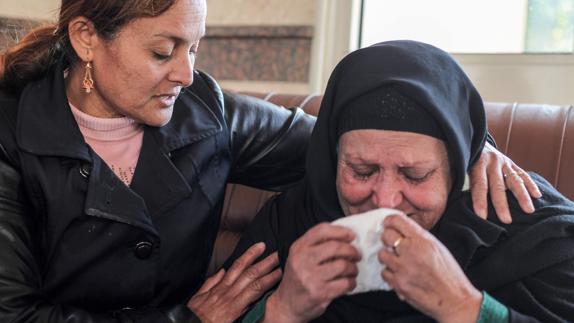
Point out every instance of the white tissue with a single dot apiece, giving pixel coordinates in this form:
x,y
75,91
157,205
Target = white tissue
x,y
368,228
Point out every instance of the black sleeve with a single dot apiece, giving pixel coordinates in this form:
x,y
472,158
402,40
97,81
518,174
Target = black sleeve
x,y
264,228
268,142
21,296
547,296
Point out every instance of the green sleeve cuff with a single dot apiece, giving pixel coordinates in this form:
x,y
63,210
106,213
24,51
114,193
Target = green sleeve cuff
x,y
257,312
492,311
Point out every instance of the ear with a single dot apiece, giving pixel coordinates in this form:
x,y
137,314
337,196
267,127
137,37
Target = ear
x,y
83,37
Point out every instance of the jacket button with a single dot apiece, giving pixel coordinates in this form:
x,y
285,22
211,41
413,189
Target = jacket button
x,y
143,250
85,170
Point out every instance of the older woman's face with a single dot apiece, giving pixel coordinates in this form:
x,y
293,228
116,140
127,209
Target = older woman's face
x,y
141,71
393,169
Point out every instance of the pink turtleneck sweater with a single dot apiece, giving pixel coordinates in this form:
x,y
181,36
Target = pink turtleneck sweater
x,y
117,141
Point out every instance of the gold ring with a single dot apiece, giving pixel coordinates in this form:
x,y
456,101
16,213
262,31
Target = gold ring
x,y
396,245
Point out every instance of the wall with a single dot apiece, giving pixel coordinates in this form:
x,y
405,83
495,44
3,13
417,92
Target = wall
x,y
259,45
317,26
251,45
522,78
260,12
29,9
221,12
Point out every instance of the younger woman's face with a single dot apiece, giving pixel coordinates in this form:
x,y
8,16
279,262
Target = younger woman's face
x,y
142,70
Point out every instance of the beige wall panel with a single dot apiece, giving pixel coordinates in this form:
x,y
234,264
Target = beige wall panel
x,y
260,12
221,12
265,87
30,9
522,78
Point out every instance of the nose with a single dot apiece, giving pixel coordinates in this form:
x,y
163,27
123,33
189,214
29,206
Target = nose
x,y
388,194
182,71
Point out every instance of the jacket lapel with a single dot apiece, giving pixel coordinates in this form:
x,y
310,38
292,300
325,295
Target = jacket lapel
x,y
157,180
108,197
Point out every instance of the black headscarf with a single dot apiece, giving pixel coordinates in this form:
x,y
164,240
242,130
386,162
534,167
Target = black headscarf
x,y
424,74
386,108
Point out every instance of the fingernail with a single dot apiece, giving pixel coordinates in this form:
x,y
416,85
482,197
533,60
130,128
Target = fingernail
x,y
480,212
507,219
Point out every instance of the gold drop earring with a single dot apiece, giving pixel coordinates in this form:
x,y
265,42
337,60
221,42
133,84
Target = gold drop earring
x,y
88,83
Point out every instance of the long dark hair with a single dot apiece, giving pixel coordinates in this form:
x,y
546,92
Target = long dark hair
x,y
40,49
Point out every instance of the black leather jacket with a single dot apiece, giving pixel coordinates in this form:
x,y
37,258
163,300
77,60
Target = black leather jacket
x,y
77,245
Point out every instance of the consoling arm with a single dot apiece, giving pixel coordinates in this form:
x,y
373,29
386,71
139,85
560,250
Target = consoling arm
x,y
268,142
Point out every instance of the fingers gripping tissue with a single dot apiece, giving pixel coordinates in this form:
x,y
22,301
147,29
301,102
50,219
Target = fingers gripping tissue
x,y
368,228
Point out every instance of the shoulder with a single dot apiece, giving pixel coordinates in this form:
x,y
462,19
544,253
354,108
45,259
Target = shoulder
x,y
532,242
552,220
551,207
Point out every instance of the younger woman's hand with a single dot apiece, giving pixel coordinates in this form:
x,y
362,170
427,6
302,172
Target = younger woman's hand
x,y
225,296
493,174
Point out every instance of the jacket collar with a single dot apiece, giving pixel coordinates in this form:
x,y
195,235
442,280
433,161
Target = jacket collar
x,y
46,125
194,118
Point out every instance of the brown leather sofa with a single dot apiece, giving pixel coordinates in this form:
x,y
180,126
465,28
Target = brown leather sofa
x,y
538,137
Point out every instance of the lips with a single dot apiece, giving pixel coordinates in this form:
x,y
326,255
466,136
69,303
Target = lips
x,y
168,99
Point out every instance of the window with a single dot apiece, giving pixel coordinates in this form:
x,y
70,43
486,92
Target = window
x,y
513,50
473,26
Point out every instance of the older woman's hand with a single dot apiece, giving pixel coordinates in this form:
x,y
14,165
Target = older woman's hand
x,y
225,296
424,273
493,173
321,266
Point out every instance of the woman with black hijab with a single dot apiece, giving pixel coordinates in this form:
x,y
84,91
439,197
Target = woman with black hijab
x,y
399,127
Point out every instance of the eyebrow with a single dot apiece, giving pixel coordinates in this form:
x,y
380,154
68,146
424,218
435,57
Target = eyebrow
x,y
359,161
177,39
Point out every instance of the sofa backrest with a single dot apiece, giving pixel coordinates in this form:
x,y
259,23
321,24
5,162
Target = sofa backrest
x,y
538,137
